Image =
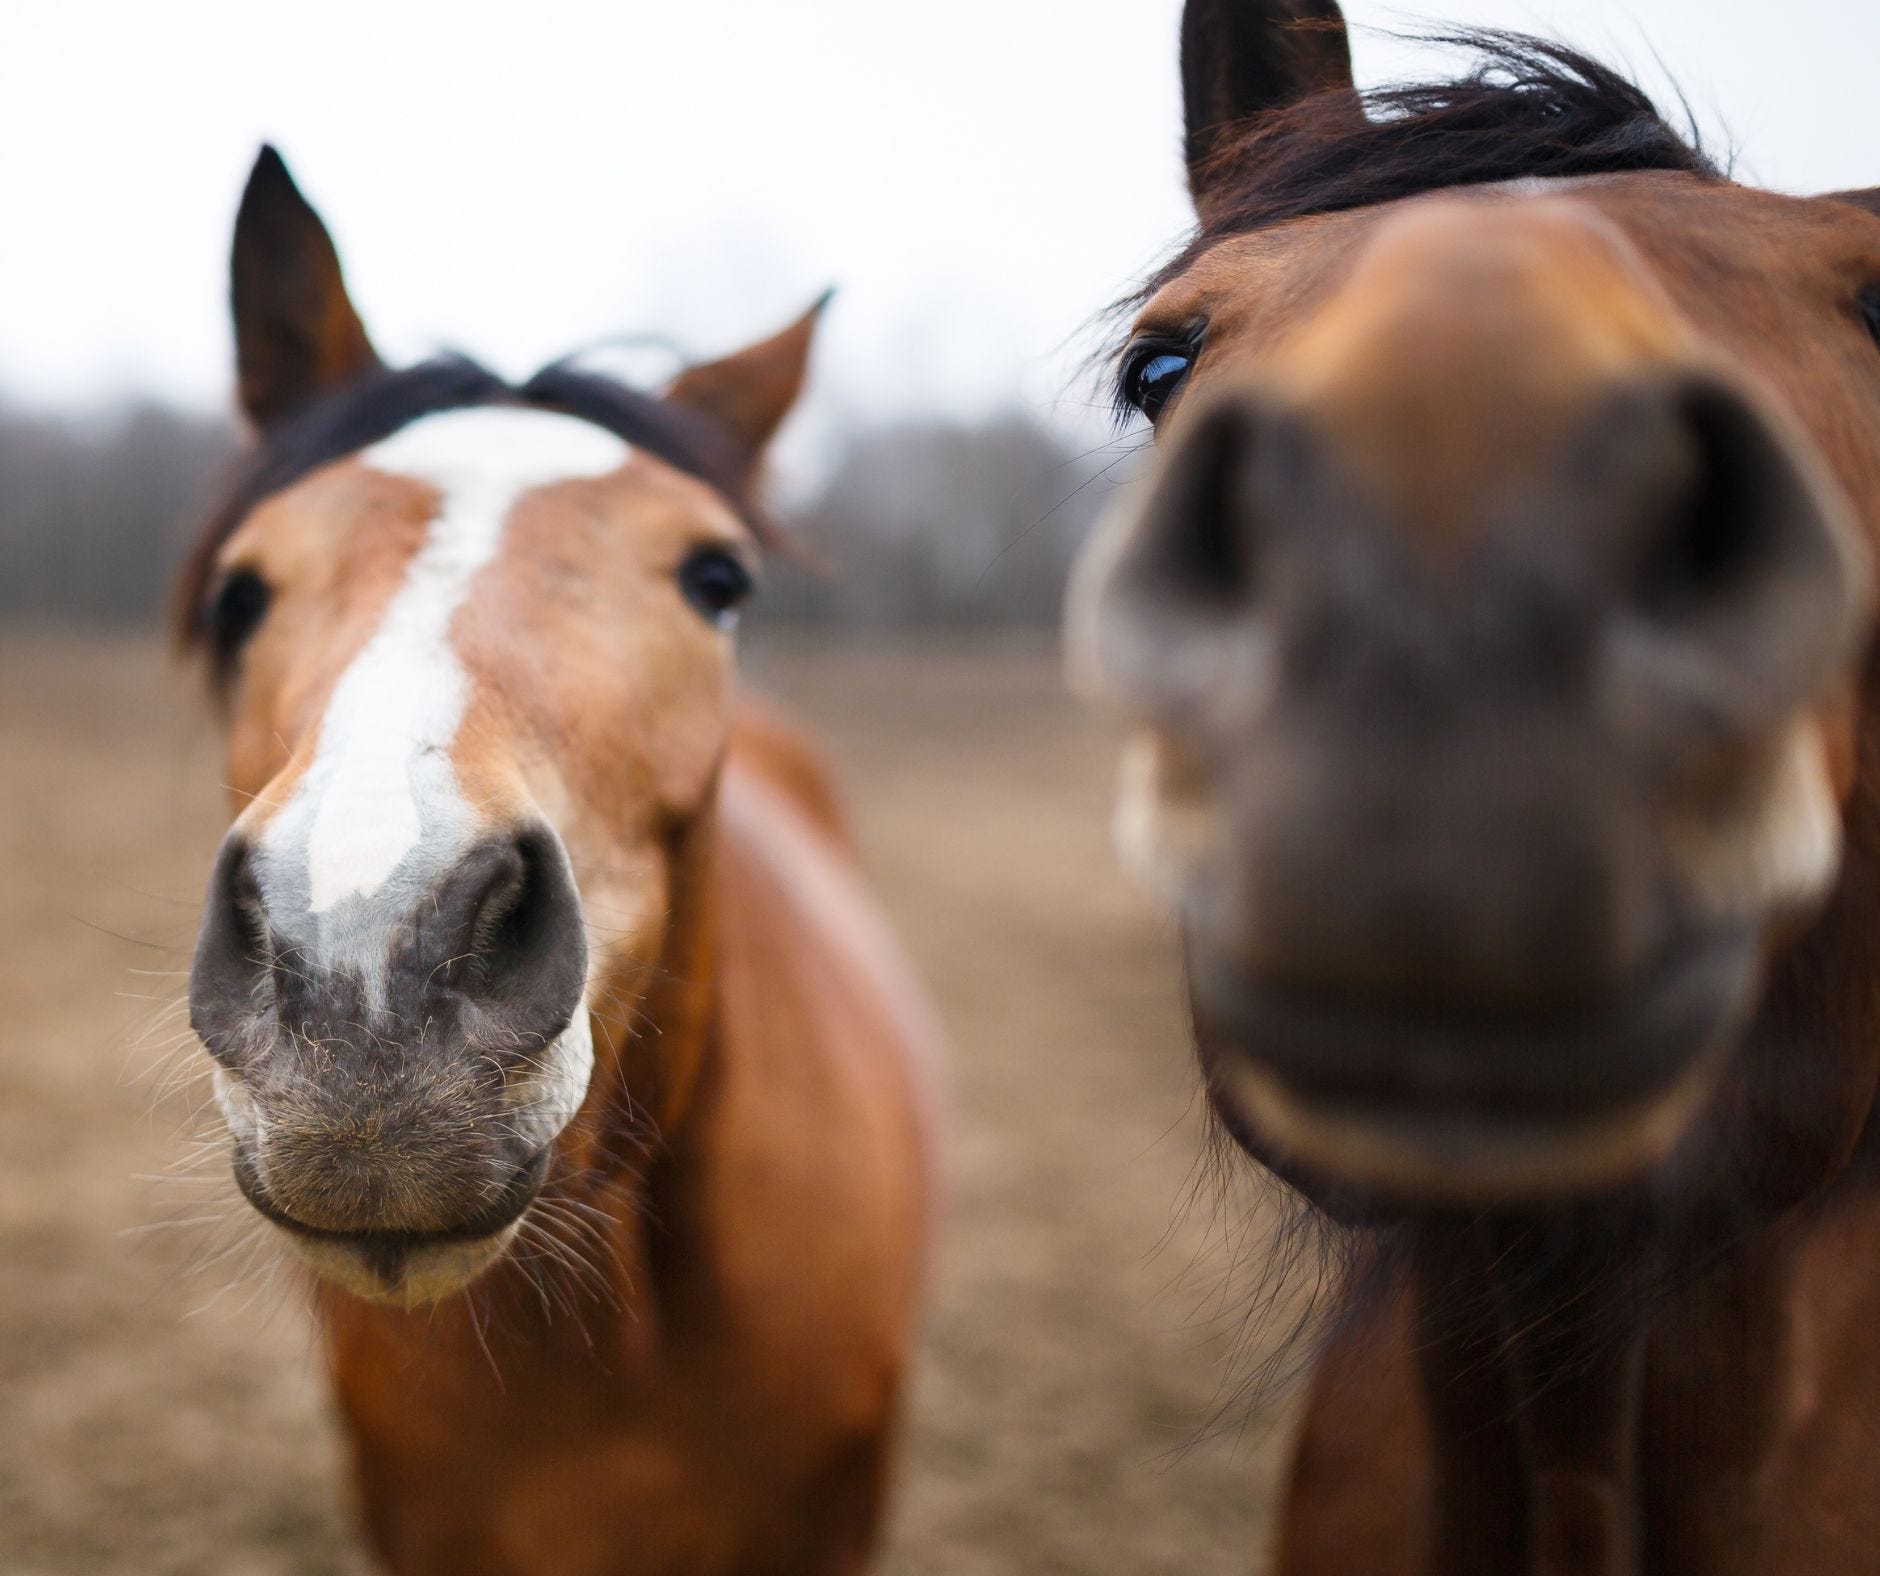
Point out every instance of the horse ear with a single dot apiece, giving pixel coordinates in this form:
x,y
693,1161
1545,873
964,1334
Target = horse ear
x,y
296,333
747,394
1868,199
1241,58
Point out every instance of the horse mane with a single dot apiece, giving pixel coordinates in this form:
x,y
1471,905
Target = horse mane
x,y
372,407
1530,108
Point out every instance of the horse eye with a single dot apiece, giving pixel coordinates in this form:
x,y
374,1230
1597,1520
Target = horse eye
x,y
1152,374
1869,303
241,602
717,583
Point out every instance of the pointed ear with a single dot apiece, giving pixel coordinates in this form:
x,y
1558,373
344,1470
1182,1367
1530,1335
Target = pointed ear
x,y
1241,58
747,394
1868,199
296,333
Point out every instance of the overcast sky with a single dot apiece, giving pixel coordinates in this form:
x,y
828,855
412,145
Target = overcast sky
x,y
517,179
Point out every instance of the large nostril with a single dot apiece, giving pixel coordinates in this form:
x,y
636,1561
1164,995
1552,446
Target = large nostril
x,y
1742,566
506,929
1170,614
231,972
1734,510
1196,549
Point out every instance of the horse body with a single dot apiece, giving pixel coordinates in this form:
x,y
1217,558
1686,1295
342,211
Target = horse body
x,y
1546,974
553,1025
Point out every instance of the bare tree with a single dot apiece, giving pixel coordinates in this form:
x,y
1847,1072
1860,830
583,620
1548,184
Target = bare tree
x,y
920,522
94,509
946,522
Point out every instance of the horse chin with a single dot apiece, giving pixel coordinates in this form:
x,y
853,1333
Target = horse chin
x,y
1417,1109
403,1274
1454,1156
401,1268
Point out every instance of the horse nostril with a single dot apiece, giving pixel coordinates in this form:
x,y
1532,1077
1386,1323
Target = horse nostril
x,y
472,922
233,962
1172,616
1742,565
507,930
1197,548
1730,514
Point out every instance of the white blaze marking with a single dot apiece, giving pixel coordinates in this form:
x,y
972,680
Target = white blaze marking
x,y
381,779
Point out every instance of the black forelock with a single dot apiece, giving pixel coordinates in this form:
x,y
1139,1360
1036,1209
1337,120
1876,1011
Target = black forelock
x,y
1530,109
384,400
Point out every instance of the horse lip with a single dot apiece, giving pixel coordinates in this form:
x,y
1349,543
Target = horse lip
x,y
382,1245
1459,1067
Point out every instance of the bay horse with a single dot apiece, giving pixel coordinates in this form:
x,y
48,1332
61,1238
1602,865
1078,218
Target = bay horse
x,y
553,1027
1493,635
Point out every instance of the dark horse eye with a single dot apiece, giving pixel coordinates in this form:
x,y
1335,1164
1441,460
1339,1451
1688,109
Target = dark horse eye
x,y
715,582
1152,374
241,602
1869,303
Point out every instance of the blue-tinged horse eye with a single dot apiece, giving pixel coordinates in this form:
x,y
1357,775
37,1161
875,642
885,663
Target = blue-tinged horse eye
x,y
1869,302
1152,375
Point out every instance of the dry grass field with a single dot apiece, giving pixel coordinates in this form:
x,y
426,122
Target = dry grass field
x,y
1073,1409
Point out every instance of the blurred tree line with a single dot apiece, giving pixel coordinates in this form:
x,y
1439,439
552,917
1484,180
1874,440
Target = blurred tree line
x,y
921,522
96,510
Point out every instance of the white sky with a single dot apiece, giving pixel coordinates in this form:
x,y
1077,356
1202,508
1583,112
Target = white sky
x,y
517,179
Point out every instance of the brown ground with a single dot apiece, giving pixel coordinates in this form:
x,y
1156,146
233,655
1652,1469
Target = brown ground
x,y
1068,1415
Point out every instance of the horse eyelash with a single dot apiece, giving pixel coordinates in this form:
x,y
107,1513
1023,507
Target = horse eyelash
x,y
1122,408
1121,411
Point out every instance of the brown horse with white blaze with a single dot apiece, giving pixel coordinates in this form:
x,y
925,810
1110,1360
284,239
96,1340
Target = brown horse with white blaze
x,y
1494,632
553,1026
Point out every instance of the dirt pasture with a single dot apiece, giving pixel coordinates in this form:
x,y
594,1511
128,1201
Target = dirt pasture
x,y
160,1405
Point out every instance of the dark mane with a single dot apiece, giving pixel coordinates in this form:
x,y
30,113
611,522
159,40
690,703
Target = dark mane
x,y
1530,108
373,407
